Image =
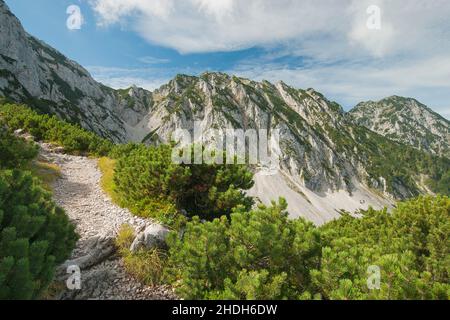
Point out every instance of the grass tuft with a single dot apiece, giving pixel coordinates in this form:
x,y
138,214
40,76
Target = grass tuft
x,y
125,237
48,173
147,266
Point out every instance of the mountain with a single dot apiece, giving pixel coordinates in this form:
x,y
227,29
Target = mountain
x,y
327,161
405,120
34,73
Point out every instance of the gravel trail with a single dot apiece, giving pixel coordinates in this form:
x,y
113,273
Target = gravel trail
x,y
97,222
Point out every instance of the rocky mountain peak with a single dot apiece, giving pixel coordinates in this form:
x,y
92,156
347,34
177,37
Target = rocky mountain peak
x,y
405,120
35,73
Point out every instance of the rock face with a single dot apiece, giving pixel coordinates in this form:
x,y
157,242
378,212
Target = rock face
x,y
322,167
153,237
407,121
34,73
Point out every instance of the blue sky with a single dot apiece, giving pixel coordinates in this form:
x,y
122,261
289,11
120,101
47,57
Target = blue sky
x,y
323,44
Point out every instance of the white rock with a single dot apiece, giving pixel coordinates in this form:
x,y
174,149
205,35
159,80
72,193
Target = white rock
x,y
154,236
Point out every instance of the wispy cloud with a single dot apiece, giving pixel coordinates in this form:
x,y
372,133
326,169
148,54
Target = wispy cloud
x,y
153,60
119,78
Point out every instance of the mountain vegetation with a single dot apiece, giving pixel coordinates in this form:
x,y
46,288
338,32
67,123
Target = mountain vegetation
x,y
230,258
51,129
35,234
323,149
14,152
222,251
147,177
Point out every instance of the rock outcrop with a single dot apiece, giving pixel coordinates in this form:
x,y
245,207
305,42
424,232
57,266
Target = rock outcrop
x,y
34,73
405,120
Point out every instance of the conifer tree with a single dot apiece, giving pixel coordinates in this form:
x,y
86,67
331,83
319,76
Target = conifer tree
x,y
205,190
14,152
35,236
259,254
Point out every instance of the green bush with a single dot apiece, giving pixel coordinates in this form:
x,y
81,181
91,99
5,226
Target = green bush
x,y
148,176
121,150
263,255
49,128
257,255
35,236
410,246
14,152
442,186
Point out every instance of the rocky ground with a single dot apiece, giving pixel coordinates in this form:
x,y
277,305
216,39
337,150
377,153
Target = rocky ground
x,y
97,222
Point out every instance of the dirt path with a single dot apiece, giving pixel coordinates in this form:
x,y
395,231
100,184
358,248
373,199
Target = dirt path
x,y
97,221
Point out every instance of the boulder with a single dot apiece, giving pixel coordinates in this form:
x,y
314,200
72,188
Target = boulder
x,y
153,237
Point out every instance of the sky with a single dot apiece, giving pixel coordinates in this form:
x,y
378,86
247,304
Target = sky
x,y
350,50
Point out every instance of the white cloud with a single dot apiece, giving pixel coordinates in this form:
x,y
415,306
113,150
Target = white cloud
x,y
378,40
308,26
218,8
203,26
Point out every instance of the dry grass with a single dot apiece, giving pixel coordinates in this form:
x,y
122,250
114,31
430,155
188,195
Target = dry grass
x,y
125,237
147,266
48,173
106,166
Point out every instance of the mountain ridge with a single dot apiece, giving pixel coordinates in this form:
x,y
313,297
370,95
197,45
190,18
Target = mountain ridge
x,y
405,120
35,73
